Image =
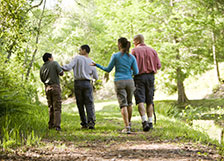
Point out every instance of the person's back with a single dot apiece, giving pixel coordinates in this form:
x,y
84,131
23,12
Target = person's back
x,y
148,64
147,59
82,69
83,74
123,64
49,73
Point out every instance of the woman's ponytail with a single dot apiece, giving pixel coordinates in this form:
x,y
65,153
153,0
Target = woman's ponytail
x,y
127,48
125,45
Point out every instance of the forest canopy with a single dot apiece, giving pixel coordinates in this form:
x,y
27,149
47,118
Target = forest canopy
x,y
188,36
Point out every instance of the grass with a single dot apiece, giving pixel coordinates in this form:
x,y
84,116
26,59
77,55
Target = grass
x,y
23,128
205,109
109,125
171,126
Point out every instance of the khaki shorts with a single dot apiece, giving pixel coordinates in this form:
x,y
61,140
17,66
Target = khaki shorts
x,y
124,90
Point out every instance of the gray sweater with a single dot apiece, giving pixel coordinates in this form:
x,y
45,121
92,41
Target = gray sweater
x,y
81,68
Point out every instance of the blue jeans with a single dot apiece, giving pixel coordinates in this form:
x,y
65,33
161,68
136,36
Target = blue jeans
x,y
84,101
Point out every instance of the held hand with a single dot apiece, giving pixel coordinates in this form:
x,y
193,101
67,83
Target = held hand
x,y
93,64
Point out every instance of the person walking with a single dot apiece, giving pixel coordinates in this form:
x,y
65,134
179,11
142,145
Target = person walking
x,y
125,65
148,64
83,75
49,74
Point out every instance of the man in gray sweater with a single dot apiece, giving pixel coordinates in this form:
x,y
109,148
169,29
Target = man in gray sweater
x,y
83,74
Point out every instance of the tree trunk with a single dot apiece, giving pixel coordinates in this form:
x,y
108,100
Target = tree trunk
x,y
214,52
182,98
215,57
37,41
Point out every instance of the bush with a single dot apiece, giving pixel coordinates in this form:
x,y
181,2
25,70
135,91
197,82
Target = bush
x,y
21,118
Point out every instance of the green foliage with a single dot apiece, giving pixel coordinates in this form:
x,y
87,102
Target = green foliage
x,y
14,92
197,109
13,18
23,128
181,34
20,115
97,85
67,84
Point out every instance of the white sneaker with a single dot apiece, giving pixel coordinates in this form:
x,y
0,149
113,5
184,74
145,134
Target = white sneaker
x,y
127,130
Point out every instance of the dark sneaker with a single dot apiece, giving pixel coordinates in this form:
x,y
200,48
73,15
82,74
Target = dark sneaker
x,y
145,126
150,125
58,129
91,125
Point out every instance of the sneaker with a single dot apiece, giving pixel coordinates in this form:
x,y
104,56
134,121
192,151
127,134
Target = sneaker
x,y
145,126
91,125
126,130
150,125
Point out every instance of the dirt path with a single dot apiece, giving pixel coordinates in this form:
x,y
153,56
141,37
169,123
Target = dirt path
x,y
130,150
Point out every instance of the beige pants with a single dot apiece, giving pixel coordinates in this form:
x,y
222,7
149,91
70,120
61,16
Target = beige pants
x,y
124,90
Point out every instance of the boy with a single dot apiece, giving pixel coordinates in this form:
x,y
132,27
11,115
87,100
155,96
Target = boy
x,y
49,74
83,74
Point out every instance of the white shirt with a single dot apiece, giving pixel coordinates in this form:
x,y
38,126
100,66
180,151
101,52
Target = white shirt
x,y
81,68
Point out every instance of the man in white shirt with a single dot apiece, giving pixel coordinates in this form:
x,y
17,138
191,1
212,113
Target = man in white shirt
x,y
83,74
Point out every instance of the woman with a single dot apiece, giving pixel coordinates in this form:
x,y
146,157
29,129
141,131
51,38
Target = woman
x,y
125,64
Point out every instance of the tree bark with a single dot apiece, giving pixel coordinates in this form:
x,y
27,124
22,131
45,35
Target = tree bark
x,y
214,53
216,63
37,41
182,98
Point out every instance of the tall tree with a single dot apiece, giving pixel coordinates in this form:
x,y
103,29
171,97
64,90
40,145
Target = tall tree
x,y
177,33
38,30
213,10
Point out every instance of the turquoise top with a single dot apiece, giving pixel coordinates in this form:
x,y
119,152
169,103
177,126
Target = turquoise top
x,y
125,66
